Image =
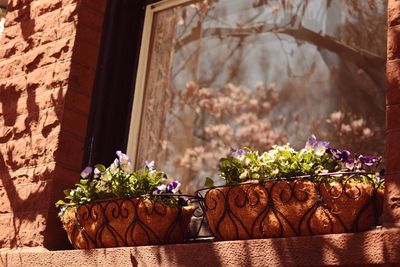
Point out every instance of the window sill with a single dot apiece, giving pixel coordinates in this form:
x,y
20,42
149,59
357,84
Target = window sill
x,y
381,246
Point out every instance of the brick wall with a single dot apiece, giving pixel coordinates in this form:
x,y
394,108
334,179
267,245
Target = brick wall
x,y
392,150
48,56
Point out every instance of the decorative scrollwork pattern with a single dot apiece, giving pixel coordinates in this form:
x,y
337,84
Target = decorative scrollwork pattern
x,y
127,222
293,207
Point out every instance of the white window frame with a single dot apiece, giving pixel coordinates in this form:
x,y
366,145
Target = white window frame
x,y
137,109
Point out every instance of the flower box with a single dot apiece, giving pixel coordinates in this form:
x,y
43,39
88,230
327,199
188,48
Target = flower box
x,y
126,222
115,206
294,207
283,192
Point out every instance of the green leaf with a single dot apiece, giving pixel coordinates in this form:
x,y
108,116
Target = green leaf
x,y
100,167
209,182
67,192
60,202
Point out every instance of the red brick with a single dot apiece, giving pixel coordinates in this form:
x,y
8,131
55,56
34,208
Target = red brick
x,y
16,4
44,122
393,43
48,57
34,103
38,29
393,82
47,54
78,102
69,14
75,124
25,197
41,56
70,152
81,79
88,35
64,178
6,224
11,66
28,229
29,151
86,55
22,229
392,199
32,174
393,117
393,13
47,77
392,152
98,6
20,45
93,20
37,7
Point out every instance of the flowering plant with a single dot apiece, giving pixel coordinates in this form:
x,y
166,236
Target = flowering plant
x,y
120,181
281,162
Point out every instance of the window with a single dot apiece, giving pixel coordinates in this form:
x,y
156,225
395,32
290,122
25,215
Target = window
x,y
215,75
3,12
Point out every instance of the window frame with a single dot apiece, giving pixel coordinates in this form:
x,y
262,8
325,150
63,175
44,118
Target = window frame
x,y
137,109
115,76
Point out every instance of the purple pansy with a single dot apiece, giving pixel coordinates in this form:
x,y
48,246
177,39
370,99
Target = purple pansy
x,y
86,172
318,146
124,162
120,154
338,155
170,188
123,158
239,152
160,189
311,141
150,165
116,162
173,187
182,201
345,155
369,160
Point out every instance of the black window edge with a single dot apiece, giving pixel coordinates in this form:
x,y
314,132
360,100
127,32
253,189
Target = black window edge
x,y
112,98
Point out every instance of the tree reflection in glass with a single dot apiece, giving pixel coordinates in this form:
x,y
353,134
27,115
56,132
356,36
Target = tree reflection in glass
x,y
231,73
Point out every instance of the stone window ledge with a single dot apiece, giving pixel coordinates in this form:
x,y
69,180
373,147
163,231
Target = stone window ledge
x,y
381,246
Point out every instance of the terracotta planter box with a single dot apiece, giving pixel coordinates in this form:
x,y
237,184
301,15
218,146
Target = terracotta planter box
x,y
288,208
126,222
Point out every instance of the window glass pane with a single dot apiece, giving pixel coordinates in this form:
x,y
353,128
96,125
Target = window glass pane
x,y
3,11
232,73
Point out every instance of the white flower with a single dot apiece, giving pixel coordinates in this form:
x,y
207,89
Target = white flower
x,y
357,124
127,167
336,117
124,162
243,175
114,166
345,128
367,132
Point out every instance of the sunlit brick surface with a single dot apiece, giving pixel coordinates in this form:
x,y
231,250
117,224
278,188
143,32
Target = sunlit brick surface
x,y
48,57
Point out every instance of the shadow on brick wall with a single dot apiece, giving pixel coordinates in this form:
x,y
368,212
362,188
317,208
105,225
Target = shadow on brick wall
x,y
15,208
27,184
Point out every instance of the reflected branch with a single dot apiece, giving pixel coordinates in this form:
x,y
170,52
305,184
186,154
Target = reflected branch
x,y
358,56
